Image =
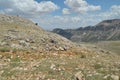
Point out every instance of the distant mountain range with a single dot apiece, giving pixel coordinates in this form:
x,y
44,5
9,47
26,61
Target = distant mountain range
x,y
103,31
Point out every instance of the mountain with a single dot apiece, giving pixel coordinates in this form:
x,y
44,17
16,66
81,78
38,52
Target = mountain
x,y
103,31
27,52
19,33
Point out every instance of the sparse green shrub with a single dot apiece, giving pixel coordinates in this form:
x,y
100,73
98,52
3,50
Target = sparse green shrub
x,y
14,50
98,66
8,73
36,23
4,49
83,56
16,59
8,56
96,77
15,62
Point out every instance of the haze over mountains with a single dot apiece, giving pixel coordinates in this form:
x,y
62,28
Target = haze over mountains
x,y
105,30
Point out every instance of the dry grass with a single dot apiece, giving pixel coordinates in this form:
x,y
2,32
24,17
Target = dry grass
x,y
113,46
57,65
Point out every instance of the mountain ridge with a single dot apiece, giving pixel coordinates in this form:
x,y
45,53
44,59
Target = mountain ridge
x,y
105,30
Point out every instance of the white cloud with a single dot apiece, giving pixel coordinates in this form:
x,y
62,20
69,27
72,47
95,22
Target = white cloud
x,y
51,22
80,6
26,7
66,22
113,12
71,22
115,8
33,9
66,11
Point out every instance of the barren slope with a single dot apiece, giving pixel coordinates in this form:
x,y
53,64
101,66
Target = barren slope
x,y
20,33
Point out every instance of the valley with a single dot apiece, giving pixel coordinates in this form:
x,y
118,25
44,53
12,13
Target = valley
x,y
113,46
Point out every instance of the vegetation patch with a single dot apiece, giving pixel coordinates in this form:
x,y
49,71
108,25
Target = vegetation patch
x,y
4,49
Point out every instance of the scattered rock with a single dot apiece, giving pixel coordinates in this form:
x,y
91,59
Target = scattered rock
x,y
105,77
33,48
1,56
53,67
16,46
3,43
12,30
79,76
102,51
24,43
29,40
61,49
115,77
10,37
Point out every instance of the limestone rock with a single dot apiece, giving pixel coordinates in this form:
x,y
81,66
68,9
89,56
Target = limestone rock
x,y
79,76
115,77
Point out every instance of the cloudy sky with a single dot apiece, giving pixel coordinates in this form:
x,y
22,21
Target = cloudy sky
x,y
65,14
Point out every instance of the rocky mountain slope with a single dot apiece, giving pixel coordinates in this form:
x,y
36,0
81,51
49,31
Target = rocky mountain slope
x,y
20,33
54,62
105,30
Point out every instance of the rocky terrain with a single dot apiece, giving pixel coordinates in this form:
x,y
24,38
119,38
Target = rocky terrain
x,y
74,64
104,31
20,33
28,52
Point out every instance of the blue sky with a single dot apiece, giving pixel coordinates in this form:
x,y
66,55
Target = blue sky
x,y
105,4
50,14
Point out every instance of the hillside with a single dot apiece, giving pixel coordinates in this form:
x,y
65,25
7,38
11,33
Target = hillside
x,y
105,30
20,33
27,52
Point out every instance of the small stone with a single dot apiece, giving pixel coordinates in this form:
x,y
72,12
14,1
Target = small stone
x,y
3,43
52,67
24,43
79,76
33,48
27,40
1,56
16,46
8,60
61,48
115,77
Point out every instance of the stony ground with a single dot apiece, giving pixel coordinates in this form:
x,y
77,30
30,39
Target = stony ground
x,y
103,46
74,64
20,33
